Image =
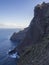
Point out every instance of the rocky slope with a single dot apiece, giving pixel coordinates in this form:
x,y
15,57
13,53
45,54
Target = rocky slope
x,y
19,36
34,47
36,54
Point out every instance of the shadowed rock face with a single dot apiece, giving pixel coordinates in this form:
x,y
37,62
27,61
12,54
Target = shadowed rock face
x,y
36,54
37,30
38,26
18,37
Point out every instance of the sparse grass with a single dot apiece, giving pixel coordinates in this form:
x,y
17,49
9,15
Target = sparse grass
x,y
34,54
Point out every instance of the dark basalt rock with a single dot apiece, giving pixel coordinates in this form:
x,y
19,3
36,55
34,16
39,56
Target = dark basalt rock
x,y
38,26
12,51
35,38
18,37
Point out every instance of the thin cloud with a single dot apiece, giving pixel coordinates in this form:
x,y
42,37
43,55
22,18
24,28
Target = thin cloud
x,y
11,25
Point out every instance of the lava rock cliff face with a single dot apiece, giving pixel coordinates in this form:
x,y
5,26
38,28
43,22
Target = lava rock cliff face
x,y
18,37
38,26
32,47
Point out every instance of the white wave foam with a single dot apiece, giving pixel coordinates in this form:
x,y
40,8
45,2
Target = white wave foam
x,y
15,55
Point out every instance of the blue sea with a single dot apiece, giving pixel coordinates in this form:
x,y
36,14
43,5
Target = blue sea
x,y
6,45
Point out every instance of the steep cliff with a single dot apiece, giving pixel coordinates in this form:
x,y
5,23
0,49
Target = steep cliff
x,y
34,48
36,54
18,37
38,27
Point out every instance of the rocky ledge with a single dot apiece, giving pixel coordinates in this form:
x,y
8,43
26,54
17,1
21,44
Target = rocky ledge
x,y
34,45
19,36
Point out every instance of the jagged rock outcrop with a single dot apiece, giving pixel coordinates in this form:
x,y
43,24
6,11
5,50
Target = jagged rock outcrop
x,y
34,49
18,37
38,26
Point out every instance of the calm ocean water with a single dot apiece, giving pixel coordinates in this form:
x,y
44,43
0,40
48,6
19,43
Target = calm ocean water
x,y
5,45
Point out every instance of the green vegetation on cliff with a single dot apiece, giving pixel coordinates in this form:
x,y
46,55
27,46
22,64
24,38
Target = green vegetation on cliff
x,y
34,46
37,54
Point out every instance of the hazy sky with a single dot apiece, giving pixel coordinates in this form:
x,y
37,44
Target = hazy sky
x,y
17,13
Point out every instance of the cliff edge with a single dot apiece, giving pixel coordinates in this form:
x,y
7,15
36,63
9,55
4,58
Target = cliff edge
x,y
34,48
